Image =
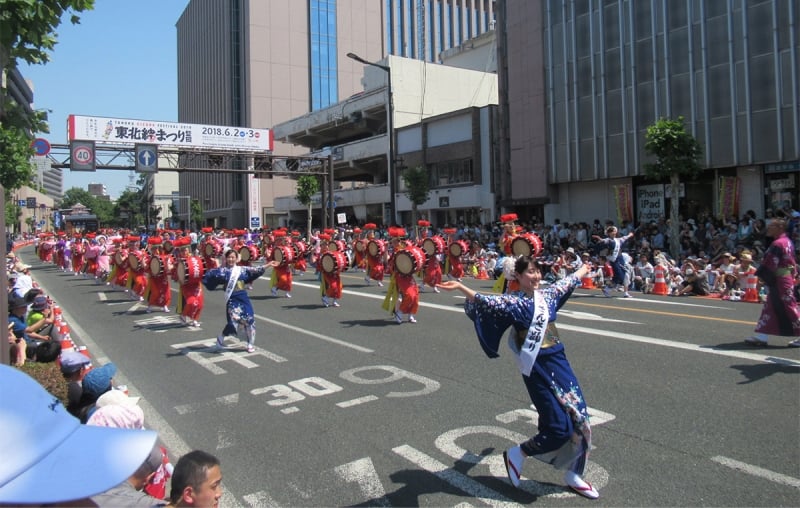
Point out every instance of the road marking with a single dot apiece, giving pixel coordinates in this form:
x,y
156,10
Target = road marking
x,y
102,296
682,345
326,338
626,336
355,402
671,314
757,471
223,401
362,473
460,481
262,499
206,346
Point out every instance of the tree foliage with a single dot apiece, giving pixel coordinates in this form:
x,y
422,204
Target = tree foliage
x,y
675,153
196,212
28,33
16,169
307,186
417,188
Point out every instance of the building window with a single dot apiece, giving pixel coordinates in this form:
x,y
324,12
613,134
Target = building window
x,y
448,173
322,30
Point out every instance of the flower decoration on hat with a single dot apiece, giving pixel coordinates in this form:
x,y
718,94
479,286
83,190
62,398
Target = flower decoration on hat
x,y
397,232
370,226
356,231
508,218
207,230
279,233
450,231
154,240
423,223
325,237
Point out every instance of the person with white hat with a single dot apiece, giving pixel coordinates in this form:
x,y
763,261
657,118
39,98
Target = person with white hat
x,y
40,437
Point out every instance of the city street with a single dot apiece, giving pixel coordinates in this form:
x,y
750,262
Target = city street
x,y
345,407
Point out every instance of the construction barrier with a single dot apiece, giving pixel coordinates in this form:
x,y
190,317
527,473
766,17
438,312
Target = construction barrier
x,y
660,284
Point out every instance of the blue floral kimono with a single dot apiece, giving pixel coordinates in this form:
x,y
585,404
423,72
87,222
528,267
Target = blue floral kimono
x,y
564,436
238,307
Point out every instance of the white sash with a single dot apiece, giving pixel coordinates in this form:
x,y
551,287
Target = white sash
x,y
234,278
526,356
615,252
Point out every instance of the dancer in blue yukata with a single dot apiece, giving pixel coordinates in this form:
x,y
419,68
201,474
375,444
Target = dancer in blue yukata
x,y
238,308
620,261
564,436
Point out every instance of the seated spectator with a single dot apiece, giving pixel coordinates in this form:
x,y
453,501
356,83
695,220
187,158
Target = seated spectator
x,y
116,409
96,382
17,347
695,280
130,492
725,278
73,368
196,480
23,281
40,319
72,462
643,272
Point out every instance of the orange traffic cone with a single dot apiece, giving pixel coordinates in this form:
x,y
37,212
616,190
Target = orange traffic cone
x,y
660,284
587,282
751,289
482,273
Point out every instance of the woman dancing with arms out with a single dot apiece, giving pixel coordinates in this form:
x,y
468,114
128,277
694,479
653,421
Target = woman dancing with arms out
x,y
564,436
238,308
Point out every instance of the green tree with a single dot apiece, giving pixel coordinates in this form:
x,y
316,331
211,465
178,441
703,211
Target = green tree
x,y
196,214
75,195
28,33
307,186
129,208
16,169
676,154
417,188
13,212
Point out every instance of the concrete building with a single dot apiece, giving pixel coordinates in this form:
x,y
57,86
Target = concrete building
x,y
573,135
444,128
258,63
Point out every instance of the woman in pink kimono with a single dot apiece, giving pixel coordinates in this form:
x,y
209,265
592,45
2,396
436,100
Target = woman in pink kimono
x,y
778,268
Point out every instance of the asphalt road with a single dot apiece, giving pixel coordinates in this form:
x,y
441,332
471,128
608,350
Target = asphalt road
x,y
344,407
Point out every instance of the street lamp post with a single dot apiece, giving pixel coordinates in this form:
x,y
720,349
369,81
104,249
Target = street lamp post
x,y
389,130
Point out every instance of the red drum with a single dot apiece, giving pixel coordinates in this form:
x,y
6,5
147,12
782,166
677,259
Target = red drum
x,y
283,254
190,269
433,245
337,245
360,245
333,261
300,248
458,248
212,249
136,260
526,244
158,265
249,253
119,257
168,246
376,247
409,260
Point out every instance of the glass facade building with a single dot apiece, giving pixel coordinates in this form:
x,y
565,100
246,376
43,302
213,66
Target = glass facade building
x,y
323,67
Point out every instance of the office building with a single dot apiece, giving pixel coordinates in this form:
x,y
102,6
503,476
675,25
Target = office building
x,y
257,63
574,134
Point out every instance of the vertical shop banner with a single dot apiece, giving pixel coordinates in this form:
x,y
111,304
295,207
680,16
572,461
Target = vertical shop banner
x,y
729,196
624,200
650,202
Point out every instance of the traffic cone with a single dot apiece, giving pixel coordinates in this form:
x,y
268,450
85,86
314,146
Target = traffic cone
x,y
660,284
482,273
587,282
750,289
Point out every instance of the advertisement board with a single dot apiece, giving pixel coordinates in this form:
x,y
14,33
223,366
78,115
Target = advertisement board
x,y
125,131
650,202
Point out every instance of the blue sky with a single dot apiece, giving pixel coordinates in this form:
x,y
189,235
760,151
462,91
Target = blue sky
x,y
121,62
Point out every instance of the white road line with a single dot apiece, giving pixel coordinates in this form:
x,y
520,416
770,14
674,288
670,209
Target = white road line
x,y
260,499
454,478
744,355
326,338
225,400
355,402
757,471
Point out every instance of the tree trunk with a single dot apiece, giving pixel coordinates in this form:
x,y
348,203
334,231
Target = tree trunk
x,y
674,225
308,223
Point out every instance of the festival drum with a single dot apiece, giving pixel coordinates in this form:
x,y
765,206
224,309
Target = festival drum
x,y
333,261
376,247
283,254
119,257
409,260
337,245
136,260
526,244
158,265
168,246
360,245
248,253
190,269
433,245
212,249
300,248
458,248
